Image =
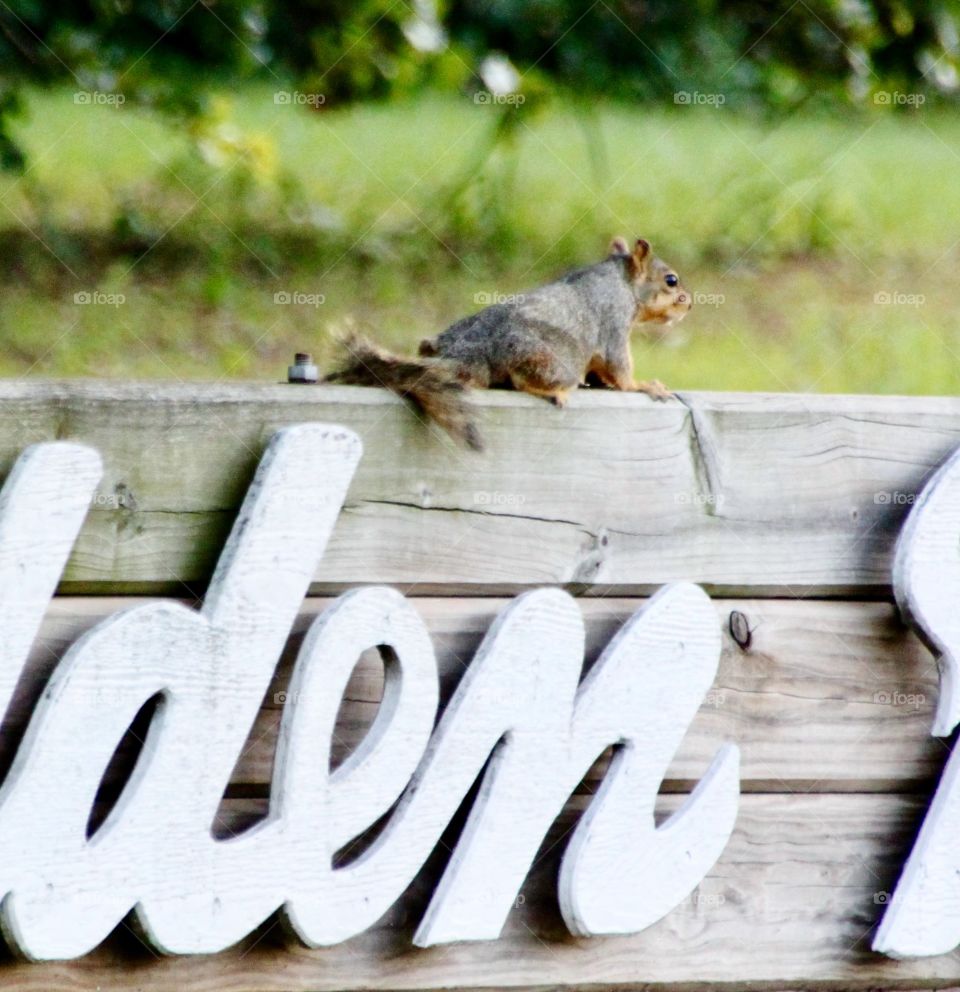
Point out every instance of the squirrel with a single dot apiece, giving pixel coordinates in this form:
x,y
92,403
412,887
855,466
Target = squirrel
x,y
545,342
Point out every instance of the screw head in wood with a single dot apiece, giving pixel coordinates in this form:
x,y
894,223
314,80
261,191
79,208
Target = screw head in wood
x,y
740,629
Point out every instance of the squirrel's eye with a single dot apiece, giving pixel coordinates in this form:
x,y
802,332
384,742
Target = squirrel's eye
x,y
671,280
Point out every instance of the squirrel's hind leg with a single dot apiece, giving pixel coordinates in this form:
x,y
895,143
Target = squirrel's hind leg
x,y
475,375
545,377
557,396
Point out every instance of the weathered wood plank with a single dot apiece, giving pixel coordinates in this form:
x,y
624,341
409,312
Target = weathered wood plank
x,y
791,903
755,493
829,696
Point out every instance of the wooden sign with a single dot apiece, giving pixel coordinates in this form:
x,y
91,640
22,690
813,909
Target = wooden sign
x,y
521,719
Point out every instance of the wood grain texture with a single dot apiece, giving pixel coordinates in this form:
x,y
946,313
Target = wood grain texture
x,y
761,494
829,695
791,903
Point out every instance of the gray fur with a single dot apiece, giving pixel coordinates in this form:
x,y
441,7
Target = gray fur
x,y
582,316
583,313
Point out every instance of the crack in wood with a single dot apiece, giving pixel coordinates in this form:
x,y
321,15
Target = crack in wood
x,y
706,461
481,513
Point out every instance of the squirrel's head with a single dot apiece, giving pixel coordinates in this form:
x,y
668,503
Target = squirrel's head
x,y
661,299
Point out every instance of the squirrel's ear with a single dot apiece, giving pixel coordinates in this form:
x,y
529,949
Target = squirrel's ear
x,y
619,246
639,257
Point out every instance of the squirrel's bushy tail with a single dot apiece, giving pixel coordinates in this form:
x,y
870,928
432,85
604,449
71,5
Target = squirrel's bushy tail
x,y
431,384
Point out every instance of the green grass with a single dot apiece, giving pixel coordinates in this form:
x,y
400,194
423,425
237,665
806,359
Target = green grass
x,y
789,229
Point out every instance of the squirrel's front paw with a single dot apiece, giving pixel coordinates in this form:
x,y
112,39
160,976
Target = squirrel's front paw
x,y
655,389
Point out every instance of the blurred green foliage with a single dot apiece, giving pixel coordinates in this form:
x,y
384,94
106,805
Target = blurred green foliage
x,y
167,54
788,232
396,157
436,182
780,55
